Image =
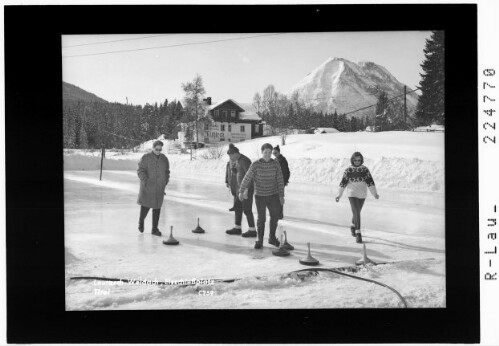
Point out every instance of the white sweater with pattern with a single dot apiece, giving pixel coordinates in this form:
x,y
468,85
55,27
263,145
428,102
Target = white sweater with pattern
x,y
356,180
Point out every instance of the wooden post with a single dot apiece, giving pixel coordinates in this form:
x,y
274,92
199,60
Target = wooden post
x,y
102,161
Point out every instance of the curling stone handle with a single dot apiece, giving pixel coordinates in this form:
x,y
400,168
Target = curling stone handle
x,y
171,230
308,244
198,221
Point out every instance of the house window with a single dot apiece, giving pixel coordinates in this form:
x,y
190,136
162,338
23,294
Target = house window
x,y
216,112
242,128
206,126
224,115
233,114
222,127
230,127
257,128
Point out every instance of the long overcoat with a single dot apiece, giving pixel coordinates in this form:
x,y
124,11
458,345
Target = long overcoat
x,y
154,174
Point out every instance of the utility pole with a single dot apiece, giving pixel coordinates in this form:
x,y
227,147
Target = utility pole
x,y
197,140
405,107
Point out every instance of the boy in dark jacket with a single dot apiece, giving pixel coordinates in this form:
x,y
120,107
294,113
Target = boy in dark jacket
x,y
241,166
285,171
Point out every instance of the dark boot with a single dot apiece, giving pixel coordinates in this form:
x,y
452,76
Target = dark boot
x,y
274,241
249,234
156,231
141,226
234,231
352,229
272,238
258,244
358,238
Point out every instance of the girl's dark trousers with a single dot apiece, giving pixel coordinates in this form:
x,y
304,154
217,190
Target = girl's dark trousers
x,y
356,204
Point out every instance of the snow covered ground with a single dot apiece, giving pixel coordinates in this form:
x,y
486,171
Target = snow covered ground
x,y
404,228
403,160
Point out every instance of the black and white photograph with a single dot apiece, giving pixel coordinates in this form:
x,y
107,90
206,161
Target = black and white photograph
x,y
283,170
250,173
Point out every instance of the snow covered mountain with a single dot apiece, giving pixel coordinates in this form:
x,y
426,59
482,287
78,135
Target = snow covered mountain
x,y
346,86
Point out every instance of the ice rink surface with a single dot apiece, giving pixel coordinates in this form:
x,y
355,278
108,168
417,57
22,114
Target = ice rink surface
x,y
101,236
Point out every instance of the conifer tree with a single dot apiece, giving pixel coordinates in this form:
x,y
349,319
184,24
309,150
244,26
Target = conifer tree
x,y
431,103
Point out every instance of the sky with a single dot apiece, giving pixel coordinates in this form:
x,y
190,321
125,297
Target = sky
x,y
232,65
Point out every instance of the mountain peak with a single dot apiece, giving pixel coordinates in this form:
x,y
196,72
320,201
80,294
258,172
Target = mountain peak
x,y
345,86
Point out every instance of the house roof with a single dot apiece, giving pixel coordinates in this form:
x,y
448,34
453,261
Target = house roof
x,y
224,101
247,111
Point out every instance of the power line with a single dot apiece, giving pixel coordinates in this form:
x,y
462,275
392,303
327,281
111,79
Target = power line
x,y
174,45
408,92
125,39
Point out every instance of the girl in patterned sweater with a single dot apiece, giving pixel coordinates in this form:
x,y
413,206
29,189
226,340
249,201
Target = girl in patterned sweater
x,y
356,180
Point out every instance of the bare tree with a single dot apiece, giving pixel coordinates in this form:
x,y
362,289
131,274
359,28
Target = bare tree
x,y
194,92
257,103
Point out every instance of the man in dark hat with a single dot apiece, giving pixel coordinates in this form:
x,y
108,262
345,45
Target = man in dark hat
x,y
241,165
154,174
285,171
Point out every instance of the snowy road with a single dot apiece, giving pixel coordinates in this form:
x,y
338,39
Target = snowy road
x,y
101,237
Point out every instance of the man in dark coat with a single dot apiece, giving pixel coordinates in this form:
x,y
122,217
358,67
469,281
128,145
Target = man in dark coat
x,y
285,171
154,174
241,166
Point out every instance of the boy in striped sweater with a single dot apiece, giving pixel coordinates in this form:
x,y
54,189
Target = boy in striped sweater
x,y
268,181
356,180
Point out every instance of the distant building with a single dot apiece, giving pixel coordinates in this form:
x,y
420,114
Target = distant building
x,y
232,122
325,130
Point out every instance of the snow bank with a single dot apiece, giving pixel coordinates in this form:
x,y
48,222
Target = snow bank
x,y
402,160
